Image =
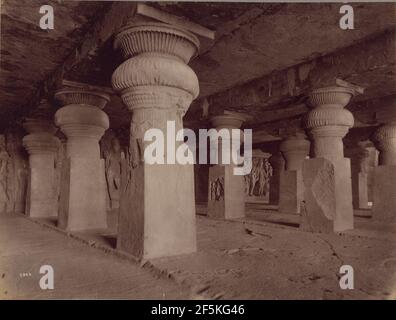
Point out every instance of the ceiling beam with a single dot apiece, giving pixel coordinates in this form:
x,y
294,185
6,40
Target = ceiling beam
x,y
370,64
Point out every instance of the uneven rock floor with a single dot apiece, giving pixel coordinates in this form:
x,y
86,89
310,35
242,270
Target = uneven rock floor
x,y
246,259
80,272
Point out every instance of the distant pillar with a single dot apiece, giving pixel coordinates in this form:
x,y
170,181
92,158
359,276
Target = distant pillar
x,y
226,192
295,149
278,166
384,189
359,156
327,177
42,146
83,189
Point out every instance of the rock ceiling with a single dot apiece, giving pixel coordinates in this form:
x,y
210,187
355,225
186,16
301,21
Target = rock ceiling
x,y
252,41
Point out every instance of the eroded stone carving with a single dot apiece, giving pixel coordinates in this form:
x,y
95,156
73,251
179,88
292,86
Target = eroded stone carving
x,y
111,151
258,181
319,208
217,189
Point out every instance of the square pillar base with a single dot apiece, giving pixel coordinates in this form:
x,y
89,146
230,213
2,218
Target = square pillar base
x,y
291,192
157,210
384,194
43,209
327,195
83,195
226,198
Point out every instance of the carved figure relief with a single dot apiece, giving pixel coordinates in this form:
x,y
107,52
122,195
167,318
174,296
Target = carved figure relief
x,y
217,189
112,155
258,181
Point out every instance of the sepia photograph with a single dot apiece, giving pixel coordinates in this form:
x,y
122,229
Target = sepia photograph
x,y
206,151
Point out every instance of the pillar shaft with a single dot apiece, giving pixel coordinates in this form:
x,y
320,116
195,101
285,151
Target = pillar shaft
x,y
41,145
83,186
294,149
359,156
327,177
226,196
157,206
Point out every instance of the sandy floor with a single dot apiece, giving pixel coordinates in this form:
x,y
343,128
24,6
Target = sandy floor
x,y
248,259
80,272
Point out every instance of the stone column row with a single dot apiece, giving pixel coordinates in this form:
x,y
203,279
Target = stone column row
x,y
83,193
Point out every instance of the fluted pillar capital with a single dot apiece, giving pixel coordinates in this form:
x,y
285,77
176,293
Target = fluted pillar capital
x,y
385,135
385,141
40,139
81,114
295,149
155,74
328,121
77,96
82,120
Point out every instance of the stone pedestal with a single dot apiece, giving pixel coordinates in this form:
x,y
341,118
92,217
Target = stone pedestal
x,y
328,123
42,146
83,186
384,189
294,149
226,192
157,206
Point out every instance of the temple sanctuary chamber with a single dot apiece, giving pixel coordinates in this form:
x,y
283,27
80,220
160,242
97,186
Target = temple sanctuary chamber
x,y
76,101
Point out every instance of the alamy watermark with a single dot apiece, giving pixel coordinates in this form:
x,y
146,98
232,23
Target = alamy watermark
x,y
162,147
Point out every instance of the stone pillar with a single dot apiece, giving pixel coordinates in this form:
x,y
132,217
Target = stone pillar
x,y
327,177
257,182
157,206
83,186
226,192
359,156
295,149
278,166
384,188
42,146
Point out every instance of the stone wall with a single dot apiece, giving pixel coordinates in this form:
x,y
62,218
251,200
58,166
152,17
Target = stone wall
x,y
14,172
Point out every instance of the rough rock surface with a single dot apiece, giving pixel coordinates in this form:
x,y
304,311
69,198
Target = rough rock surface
x,y
319,207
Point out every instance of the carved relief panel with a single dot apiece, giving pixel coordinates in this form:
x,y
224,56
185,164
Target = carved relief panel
x,y
257,183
